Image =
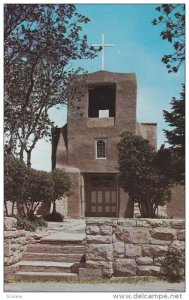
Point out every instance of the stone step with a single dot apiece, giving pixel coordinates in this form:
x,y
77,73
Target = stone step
x,y
45,276
46,266
62,249
64,238
54,257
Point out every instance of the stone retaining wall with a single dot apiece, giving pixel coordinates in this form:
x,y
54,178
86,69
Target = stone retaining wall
x,y
14,242
130,247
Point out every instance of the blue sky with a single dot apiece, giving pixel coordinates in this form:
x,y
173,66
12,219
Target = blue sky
x,y
138,48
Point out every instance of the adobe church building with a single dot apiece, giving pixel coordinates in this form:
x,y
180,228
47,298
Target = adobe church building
x,y
86,147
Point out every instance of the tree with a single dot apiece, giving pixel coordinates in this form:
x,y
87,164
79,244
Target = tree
x,y
15,178
140,174
176,120
61,186
172,16
39,190
28,188
40,42
176,137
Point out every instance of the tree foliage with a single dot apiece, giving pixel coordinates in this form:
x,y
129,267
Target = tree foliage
x,y
39,190
28,187
140,174
15,176
176,120
61,185
40,41
176,137
172,18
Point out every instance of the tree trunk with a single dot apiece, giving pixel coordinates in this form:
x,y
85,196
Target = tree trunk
x,y
146,209
29,159
150,209
35,207
24,214
21,154
54,206
6,209
12,213
31,215
129,212
27,210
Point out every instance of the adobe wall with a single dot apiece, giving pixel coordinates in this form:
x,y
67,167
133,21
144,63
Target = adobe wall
x,y
82,131
123,247
176,207
74,202
148,131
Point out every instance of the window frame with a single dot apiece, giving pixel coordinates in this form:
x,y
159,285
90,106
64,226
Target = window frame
x,y
96,148
111,108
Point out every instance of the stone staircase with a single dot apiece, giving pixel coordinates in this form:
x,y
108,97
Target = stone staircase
x,y
52,260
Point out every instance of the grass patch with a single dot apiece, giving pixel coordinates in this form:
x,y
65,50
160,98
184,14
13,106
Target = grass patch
x,y
112,280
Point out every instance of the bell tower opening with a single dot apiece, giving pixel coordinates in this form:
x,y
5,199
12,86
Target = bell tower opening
x,y
102,101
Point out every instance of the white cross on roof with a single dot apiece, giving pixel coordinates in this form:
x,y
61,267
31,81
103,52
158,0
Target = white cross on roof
x,y
103,45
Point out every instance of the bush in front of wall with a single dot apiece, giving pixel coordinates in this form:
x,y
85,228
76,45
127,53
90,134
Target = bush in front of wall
x,y
54,217
173,266
30,225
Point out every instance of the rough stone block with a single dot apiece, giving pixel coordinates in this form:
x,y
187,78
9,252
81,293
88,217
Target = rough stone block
x,y
107,272
99,230
14,234
99,252
133,250
181,235
102,222
143,223
99,239
153,223
144,260
7,243
15,247
9,234
9,272
127,222
178,247
21,240
7,251
10,223
178,224
148,270
124,233
92,229
154,250
125,267
8,260
98,264
166,234
118,249
159,242
140,236
114,222
85,273
158,261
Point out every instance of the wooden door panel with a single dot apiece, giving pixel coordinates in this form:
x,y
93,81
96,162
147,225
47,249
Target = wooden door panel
x,y
101,203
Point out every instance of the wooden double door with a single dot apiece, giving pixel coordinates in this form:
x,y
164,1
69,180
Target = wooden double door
x,y
101,195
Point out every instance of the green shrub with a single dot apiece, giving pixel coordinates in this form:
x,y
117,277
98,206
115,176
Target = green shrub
x,y
30,225
173,266
54,217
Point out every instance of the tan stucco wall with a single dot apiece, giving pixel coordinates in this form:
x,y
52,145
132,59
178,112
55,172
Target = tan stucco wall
x,y
176,207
